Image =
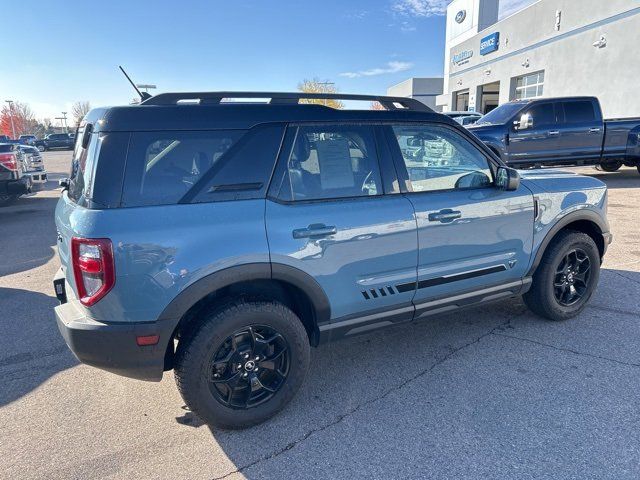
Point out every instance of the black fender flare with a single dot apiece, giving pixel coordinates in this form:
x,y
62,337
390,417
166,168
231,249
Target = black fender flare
x,y
199,289
578,215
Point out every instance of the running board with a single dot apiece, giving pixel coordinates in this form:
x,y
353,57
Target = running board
x,y
356,324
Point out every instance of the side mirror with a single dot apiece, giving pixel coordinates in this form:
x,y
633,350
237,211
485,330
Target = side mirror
x,y
507,179
64,183
526,121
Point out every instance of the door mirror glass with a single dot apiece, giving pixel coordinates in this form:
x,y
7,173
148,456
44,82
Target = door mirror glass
x,y
526,121
507,179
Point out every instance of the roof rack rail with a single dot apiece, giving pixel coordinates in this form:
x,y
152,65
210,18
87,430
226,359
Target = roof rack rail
x,y
286,98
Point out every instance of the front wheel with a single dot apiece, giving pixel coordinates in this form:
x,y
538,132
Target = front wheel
x,y
611,166
41,148
243,364
566,277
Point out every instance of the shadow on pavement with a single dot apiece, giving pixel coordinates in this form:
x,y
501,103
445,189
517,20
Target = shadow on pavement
x,y
364,374
29,235
623,178
31,348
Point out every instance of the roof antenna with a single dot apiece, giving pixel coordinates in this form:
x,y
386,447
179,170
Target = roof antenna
x,y
143,95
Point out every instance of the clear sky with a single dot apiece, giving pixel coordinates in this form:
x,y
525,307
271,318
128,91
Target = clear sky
x,y
62,52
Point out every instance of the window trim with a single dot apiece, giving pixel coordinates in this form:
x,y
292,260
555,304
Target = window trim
x,y
282,166
402,167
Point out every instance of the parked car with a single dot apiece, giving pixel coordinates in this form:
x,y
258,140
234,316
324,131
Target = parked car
x,y
4,138
34,166
560,131
224,239
13,181
55,140
464,118
28,139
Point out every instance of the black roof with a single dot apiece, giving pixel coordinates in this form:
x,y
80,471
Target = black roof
x,y
165,112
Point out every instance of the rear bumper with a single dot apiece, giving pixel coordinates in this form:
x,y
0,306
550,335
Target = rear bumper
x,y
112,346
38,176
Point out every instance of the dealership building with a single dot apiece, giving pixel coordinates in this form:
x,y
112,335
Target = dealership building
x,y
550,48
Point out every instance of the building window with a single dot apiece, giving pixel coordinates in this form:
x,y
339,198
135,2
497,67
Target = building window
x,y
529,86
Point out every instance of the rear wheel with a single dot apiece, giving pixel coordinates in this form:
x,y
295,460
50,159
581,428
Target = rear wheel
x,y
243,364
611,166
41,148
6,200
566,277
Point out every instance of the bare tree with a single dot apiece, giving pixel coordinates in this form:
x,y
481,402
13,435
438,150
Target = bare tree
x,y
316,85
376,106
79,110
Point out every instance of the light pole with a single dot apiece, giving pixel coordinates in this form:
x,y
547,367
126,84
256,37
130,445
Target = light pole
x,y
64,118
61,122
13,128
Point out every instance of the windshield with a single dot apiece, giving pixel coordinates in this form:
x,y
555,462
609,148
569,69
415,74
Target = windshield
x,y
501,114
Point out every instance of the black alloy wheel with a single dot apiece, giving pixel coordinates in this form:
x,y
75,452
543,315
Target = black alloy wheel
x,y
572,276
249,367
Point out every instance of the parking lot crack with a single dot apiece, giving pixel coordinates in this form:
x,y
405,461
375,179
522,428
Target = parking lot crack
x,y
568,350
360,406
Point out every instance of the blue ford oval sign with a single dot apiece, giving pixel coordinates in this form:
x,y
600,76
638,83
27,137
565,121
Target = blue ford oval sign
x,y
460,16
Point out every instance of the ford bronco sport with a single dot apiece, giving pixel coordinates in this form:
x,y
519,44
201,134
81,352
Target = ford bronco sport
x,y
223,239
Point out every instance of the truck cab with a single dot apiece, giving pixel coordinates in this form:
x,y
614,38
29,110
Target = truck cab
x,y
558,131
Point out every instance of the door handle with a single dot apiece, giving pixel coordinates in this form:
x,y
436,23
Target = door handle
x,y
594,130
315,230
554,133
445,216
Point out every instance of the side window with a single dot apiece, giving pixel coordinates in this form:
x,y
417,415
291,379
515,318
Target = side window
x,y
578,112
82,166
438,158
334,162
163,166
542,115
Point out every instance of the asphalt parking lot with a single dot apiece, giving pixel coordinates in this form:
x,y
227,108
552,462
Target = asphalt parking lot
x,y
489,393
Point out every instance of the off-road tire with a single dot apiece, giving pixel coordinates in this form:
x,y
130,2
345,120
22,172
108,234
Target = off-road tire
x,y
195,348
540,298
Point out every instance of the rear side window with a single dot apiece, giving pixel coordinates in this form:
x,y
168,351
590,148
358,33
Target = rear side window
x,y
333,162
163,166
578,112
82,166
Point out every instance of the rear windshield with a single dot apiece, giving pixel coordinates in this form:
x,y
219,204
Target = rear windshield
x,y
163,166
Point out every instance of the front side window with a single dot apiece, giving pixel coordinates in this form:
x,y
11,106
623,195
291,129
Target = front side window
x,y
438,158
163,166
333,162
542,115
530,86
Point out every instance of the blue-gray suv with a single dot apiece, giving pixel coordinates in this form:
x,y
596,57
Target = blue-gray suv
x,y
222,238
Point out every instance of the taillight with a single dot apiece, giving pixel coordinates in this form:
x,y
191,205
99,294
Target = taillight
x,y
93,268
8,161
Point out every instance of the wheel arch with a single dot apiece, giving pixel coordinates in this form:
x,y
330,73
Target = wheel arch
x,y
283,283
586,221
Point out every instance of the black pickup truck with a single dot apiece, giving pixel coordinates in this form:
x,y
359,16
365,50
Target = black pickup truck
x,y
560,131
55,140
